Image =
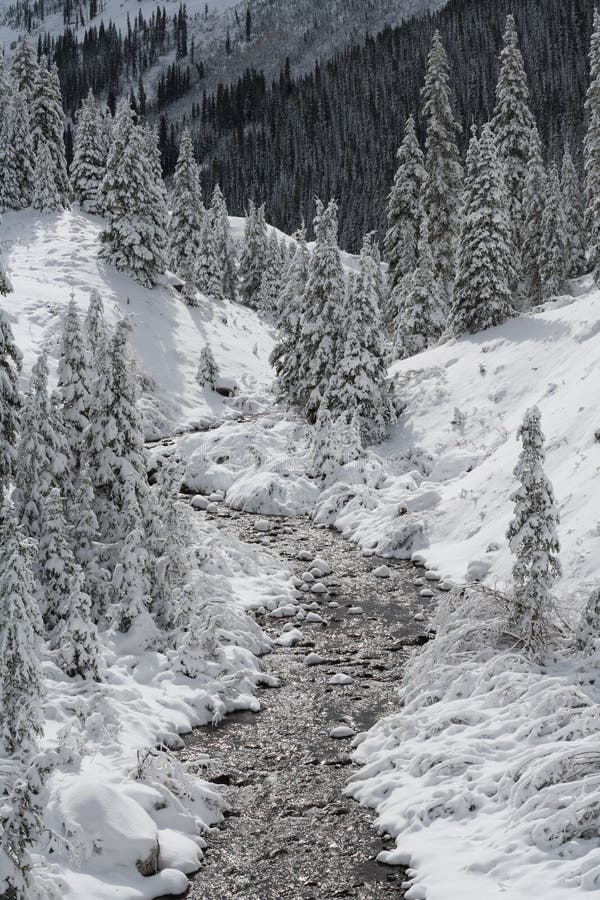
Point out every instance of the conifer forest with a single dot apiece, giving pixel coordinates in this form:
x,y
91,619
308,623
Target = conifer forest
x,y
299,531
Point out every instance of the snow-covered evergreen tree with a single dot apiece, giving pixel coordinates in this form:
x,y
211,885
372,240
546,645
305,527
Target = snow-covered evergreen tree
x,y
20,642
226,251
131,590
157,212
132,241
588,632
187,216
405,208
534,201
17,158
24,67
209,275
419,300
591,154
362,387
10,403
336,440
46,195
20,830
252,257
89,156
84,535
56,564
285,357
512,123
74,382
572,207
272,277
533,537
321,339
208,370
482,296
79,646
48,123
553,249
166,525
95,331
42,462
441,193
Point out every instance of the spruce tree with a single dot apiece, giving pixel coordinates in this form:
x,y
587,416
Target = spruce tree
x,y
187,216
24,67
252,257
272,277
534,201
18,158
512,124
132,240
405,209
533,538
321,339
84,536
553,250
46,194
48,123
285,357
20,642
441,193
95,332
209,275
362,386
208,370
166,538
421,309
131,590
56,564
591,154
336,439
482,296
572,207
74,382
156,211
79,646
10,404
225,245
89,157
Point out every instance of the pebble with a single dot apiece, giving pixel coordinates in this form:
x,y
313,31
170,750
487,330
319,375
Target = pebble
x,y
212,508
218,496
320,564
426,592
356,611
283,611
341,678
419,617
301,615
289,638
305,556
307,578
342,731
319,588
262,525
333,605
313,659
433,576
199,502
313,617
445,585
296,582
382,572
418,582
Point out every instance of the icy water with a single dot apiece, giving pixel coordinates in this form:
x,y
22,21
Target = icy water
x,y
290,831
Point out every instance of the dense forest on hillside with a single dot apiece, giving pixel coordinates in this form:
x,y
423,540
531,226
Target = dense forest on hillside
x,y
335,132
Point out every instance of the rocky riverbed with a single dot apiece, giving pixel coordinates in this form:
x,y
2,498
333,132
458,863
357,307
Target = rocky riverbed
x,y
290,831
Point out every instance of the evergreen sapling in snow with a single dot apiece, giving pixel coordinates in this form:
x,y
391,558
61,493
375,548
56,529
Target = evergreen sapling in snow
x,y
89,157
573,212
553,248
187,217
225,245
74,383
208,370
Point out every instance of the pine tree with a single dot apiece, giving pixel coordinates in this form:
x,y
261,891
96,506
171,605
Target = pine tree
x,y
156,212
187,216
591,153
441,194
78,642
56,565
572,207
20,642
41,460
321,342
18,158
285,357
512,124
24,67
74,382
553,258
90,156
131,241
208,370
336,440
20,830
225,245
272,277
532,536
131,590
84,535
405,207
48,123
46,195
419,300
209,275
95,331
482,296
10,404
166,524
534,201
252,257
361,383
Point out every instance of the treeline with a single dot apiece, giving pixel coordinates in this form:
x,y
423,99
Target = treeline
x,y
334,132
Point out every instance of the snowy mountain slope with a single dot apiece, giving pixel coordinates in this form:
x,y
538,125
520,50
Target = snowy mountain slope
x,y
48,257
